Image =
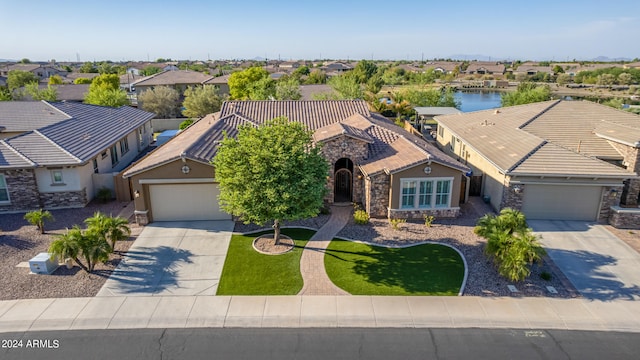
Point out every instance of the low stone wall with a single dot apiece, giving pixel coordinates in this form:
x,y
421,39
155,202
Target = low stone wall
x,y
624,218
64,199
420,214
23,191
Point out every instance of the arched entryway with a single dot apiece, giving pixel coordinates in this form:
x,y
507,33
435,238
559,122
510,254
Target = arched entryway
x,y
343,181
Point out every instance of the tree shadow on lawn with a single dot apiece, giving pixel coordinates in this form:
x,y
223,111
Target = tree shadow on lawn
x,y
425,269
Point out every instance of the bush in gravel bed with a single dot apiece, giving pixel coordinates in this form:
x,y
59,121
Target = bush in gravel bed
x,y
76,243
112,229
38,218
510,243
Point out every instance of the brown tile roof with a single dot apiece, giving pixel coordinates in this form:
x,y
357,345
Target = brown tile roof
x,y
218,80
551,137
391,148
173,77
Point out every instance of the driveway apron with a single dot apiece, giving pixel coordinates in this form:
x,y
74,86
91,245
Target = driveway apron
x,y
173,258
598,264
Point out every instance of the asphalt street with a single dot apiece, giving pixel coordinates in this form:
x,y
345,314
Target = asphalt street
x,y
341,343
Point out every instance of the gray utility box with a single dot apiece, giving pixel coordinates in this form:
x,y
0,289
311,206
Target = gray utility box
x,y
43,263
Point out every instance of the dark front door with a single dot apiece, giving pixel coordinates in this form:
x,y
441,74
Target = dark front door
x,y
343,186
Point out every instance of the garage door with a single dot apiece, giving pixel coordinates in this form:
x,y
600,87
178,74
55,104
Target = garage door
x,y
561,202
173,202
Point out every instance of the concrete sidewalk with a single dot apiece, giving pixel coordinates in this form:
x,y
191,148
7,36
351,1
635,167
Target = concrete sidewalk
x,y
317,311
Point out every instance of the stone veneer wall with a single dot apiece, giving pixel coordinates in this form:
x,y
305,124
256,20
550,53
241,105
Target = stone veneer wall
x,y
610,198
377,195
419,214
355,150
64,199
23,190
631,156
512,198
624,218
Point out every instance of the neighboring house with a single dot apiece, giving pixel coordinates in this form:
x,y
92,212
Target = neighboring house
x,y
66,92
336,68
564,160
71,77
485,68
3,81
177,79
391,172
222,82
289,65
531,70
43,72
444,67
64,152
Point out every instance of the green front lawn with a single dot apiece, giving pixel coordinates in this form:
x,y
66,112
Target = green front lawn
x,y
360,269
248,272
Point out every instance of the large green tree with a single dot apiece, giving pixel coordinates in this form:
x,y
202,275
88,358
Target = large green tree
x,y
364,70
346,86
271,173
526,93
288,89
242,83
161,100
19,78
201,100
105,91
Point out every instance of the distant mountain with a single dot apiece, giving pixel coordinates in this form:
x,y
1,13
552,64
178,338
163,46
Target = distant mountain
x,y
608,59
477,57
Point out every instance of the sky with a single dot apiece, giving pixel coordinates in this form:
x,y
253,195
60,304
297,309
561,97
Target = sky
x,y
141,30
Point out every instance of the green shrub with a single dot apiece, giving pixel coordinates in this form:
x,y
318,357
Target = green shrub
x,y
395,223
38,218
185,124
428,220
545,275
361,217
104,194
510,243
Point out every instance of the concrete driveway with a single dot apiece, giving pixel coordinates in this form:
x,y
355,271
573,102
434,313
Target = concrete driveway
x,y
173,258
598,264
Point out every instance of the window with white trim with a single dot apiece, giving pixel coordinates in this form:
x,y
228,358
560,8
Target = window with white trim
x,y
4,190
56,177
124,146
114,155
425,193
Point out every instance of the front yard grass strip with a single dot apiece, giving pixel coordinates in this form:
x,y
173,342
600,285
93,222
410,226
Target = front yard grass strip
x,y
248,272
362,269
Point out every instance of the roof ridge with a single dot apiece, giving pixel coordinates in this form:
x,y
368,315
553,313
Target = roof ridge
x,y
524,158
24,157
538,114
57,109
56,145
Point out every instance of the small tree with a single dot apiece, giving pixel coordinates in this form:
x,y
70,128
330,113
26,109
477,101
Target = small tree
x,y
526,93
105,91
510,243
67,246
271,172
288,89
112,229
161,100
241,82
200,101
19,78
38,218
82,80
55,80
48,94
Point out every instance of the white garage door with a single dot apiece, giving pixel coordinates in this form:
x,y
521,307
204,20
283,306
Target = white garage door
x,y
174,202
561,202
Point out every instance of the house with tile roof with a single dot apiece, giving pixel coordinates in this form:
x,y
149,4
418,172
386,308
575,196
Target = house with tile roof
x,y
564,160
43,72
485,68
391,172
59,154
179,80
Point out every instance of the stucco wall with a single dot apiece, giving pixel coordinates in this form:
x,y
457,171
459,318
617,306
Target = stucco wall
x,y
437,171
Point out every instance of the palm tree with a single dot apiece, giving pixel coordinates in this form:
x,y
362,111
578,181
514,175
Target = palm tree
x,y
94,248
112,229
67,246
38,218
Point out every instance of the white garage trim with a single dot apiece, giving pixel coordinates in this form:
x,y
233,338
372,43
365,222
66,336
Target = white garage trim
x,y
184,202
176,181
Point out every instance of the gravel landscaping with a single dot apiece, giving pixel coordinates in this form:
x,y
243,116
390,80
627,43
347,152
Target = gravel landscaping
x,y
21,241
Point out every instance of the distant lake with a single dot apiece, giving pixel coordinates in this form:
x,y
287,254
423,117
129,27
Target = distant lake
x,y
478,100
